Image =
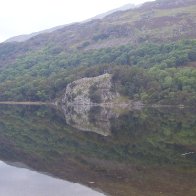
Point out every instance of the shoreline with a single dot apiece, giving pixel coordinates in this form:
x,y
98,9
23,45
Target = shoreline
x,y
24,103
136,105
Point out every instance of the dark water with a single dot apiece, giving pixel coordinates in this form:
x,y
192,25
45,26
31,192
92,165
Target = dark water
x,y
97,151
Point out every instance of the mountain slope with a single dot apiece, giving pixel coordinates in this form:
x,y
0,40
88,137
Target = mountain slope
x,y
157,38
122,8
151,22
160,21
22,38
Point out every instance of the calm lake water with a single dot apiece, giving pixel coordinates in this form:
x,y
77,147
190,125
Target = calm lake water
x,y
97,151
23,182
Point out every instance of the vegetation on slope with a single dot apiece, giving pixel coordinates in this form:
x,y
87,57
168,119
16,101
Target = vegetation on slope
x,y
145,49
150,72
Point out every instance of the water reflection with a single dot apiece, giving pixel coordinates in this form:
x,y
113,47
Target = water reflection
x,y
91,119
23,182
144,152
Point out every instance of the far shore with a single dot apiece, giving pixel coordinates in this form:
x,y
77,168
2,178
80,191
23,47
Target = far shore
x,y
133,105
24,103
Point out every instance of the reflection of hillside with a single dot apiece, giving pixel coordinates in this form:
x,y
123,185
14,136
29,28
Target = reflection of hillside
x,y
142,156
92,119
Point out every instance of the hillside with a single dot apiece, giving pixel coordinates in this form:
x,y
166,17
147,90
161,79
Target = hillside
x,y
148,46
122,8
22,38
155,21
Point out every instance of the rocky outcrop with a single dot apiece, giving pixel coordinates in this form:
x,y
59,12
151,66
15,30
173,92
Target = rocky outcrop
x,y
80,97
90,91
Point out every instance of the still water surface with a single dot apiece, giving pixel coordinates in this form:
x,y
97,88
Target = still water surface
x,y
97,151
23,182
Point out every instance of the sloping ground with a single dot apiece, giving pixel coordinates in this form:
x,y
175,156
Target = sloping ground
x,y
40,68
160,21
152,22
22,38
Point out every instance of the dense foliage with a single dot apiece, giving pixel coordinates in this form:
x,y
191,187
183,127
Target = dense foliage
x,y
150,72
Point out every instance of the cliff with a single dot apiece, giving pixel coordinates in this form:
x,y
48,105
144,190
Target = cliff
x,y
80,97
90,91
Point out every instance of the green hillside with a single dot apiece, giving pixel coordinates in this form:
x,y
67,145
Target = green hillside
x,y
151,52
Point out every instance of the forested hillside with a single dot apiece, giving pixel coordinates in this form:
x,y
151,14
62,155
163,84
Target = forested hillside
x,y
151,52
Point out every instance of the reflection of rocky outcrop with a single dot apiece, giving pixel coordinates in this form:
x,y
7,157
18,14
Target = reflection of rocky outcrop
x,y
79,103
88,118
143,156
90,91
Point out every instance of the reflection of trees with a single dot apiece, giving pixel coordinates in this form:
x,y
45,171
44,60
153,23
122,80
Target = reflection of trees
x,y
147,136
131,156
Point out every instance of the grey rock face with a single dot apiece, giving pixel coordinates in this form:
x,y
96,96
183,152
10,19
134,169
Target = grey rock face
x,y
90,91
79,99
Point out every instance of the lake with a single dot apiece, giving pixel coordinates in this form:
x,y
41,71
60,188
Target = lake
x,y
95,151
